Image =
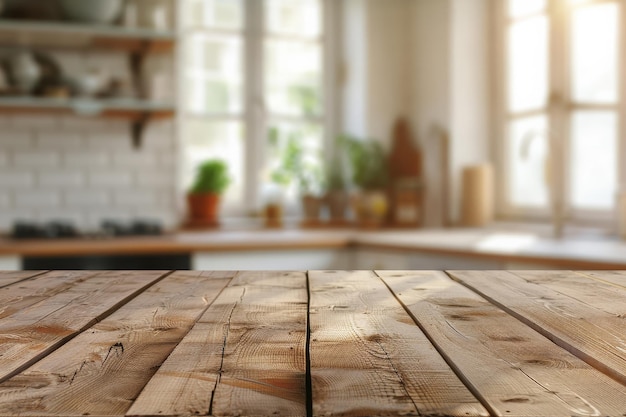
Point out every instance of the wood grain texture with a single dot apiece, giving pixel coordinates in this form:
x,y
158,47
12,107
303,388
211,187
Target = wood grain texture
x,y
595,336
616,278
14,298
245,356
101,371
369,358
11,277
583,287
515,370
42,313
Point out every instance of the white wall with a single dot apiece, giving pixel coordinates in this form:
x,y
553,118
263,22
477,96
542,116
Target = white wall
x,y
354,68
431,106
451,92
389,65
470,91
84,169
376,66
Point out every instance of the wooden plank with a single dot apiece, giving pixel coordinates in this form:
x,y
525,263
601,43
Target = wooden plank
x,y
515,370
617,278
11,277
591,334
14,298
587,288
102,370
34,325
369,358
245,356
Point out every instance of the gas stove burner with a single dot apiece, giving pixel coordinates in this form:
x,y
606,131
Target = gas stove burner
x,y
134,228
50,230
66,230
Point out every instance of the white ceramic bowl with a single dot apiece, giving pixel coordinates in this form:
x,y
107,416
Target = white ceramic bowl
x,y
92,11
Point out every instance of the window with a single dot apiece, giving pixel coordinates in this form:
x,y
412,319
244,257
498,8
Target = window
x,y
562,106
253,89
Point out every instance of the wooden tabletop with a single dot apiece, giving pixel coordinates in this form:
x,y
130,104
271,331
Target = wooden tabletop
x,y
350,343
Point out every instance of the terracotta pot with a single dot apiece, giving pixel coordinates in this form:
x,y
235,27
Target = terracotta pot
x,y
312,206
337,205
273,215
203,207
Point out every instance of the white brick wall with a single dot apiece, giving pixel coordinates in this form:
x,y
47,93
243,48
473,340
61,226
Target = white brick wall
x,y
85,169
40,199
86,199
12,180
61,179
31,160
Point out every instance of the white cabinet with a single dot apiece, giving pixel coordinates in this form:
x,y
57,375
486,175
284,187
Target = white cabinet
x,y
406,260
276,260
380,259
315,259
10,263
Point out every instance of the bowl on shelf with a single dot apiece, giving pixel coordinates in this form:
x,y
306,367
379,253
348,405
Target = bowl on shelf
x,y
92,11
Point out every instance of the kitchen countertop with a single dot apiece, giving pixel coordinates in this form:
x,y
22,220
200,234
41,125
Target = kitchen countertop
x,y
510,244
323,343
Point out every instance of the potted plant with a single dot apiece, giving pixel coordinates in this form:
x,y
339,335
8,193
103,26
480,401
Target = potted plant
x,y
204,196
336,193
310,184
370,173
296,168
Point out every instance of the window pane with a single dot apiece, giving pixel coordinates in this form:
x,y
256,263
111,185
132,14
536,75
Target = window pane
x,y
219,14
528,64
216,55
294,152
214,74
294,17
594,159
528,149
223,140
293,81
519,8
595,37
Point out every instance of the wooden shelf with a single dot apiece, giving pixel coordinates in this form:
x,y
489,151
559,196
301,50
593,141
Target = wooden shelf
x,y
122,108
22,33
137,43
139,112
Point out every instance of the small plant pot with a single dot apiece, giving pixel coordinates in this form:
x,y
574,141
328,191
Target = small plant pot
x,y
338,202
203,209
371,208
273,215
312,207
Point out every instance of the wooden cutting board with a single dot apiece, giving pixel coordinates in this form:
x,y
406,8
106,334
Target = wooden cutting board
x,y
405,160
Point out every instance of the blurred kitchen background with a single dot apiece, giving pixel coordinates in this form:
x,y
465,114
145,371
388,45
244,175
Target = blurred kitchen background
x,y
337,133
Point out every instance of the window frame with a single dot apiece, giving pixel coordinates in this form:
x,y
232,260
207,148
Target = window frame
x,y
559,108
254,116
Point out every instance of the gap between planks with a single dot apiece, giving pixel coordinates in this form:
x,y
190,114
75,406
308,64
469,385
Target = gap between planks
x,y
307,351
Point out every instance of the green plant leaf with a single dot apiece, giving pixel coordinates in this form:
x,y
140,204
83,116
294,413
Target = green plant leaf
x,y
211,178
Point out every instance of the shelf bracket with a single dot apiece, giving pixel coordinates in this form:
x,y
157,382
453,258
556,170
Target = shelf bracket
x,y
137,61
138,128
